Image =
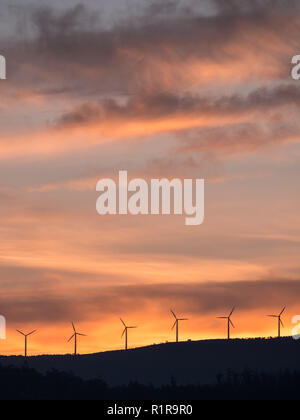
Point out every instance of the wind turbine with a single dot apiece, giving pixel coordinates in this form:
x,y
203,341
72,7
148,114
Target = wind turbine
x,y
280,323
125,332
176,324
26,336
75,338
229,322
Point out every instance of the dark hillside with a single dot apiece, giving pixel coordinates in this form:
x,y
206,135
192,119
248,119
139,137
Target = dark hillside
x,y
187,363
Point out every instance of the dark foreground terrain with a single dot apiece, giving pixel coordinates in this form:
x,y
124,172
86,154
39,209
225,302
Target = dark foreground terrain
x,y
27,384
187,363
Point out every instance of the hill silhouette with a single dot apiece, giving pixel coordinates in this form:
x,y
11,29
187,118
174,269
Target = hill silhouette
x,y
186,363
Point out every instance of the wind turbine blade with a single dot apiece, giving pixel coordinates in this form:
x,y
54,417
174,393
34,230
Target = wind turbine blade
x,y
174,325
272,316
124,332
73,327
183,319
281,323
82,335
20,332
32,332
71,338
282,311
123,322
131,328
173,314
222,317
233,309
231,323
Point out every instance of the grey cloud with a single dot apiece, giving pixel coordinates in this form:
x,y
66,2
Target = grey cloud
x,y
197,299
215,297
162,105
258,6
238,138
73,52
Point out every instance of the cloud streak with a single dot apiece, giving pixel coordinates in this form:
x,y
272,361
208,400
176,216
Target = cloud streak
x,y
125,87
202,299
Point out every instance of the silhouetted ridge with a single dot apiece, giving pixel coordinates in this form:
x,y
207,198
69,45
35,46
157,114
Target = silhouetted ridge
x,y
188,363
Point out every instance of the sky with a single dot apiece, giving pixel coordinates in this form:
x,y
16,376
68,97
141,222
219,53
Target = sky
x,y
160,89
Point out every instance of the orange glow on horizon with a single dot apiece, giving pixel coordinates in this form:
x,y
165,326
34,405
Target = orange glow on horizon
x,y
106,335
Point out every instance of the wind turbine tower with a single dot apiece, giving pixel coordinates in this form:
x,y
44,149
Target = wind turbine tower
x,y
75,335
176,324
280,323
229,322
125,332
26,337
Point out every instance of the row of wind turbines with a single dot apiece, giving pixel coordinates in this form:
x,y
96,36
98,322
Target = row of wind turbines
x,y
175,325
230,323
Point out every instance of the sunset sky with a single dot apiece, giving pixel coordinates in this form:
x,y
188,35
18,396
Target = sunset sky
x,y
170,89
